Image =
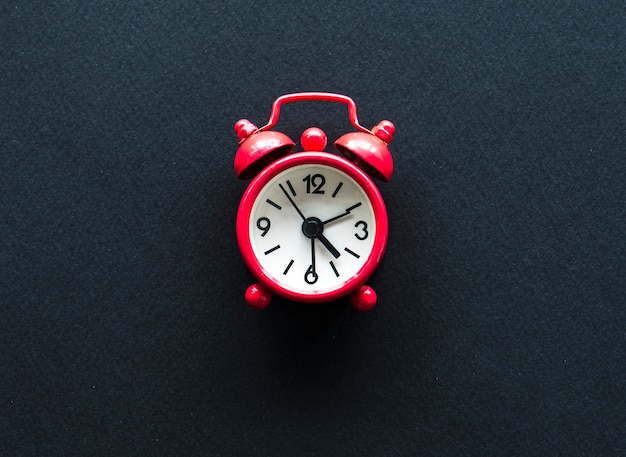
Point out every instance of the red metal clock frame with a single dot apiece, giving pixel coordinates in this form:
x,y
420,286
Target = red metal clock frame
x,y
313,158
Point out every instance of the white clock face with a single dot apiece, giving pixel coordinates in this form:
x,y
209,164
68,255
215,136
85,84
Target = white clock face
x,y
312,228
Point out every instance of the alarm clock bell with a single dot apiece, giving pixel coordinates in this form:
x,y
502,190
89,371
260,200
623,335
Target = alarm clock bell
x,y
367,149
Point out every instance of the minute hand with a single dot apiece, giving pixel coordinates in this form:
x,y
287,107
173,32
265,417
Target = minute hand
x,y
332,219
291,201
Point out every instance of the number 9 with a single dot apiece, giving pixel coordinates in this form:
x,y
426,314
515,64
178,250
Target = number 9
x,y
263,224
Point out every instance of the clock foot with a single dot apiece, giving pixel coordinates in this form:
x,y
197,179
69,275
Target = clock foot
x,y
363,299
258,297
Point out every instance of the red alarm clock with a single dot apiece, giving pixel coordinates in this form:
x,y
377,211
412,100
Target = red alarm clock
x,y
312,225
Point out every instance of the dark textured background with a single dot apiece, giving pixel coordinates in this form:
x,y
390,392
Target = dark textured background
x,y
500,328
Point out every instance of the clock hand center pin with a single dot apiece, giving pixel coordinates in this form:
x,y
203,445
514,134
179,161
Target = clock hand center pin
x,y
312,227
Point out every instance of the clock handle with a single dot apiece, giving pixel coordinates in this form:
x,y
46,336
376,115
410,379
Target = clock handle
x,y
314,96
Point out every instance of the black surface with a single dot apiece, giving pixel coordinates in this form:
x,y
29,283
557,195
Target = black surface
x,y
500,328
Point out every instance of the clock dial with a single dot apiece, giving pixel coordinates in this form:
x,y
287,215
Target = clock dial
x,y
312,228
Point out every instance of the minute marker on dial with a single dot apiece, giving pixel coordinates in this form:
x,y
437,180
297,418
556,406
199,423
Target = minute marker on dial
x,y
275,205
293,191
269,251
332,265
288,267
337,189
352,253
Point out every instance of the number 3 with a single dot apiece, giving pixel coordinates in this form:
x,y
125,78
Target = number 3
x,y
363,236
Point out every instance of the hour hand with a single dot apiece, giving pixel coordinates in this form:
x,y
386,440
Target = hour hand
x,y
345,213
328,245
